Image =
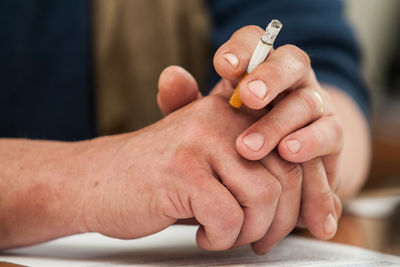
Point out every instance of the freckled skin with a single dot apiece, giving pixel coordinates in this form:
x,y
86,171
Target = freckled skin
x,y
186,165
131,185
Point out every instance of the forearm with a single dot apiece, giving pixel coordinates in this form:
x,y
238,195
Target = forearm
x,y
356,153
38,191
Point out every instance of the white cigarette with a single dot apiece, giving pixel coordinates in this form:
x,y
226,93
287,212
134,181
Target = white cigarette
x,y
258,57
264,45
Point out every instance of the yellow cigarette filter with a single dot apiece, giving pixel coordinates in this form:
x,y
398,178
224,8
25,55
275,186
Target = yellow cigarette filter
x,y
235,100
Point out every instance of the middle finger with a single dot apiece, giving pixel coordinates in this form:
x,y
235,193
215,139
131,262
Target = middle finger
x,y
298,109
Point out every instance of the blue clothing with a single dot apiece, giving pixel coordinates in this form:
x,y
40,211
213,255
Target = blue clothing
x,y
45,72
315,26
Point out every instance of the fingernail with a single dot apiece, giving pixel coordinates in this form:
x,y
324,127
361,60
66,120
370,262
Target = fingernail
x,y
232,59
254,141
294,146
258,88
330,225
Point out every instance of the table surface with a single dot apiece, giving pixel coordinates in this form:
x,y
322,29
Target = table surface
x,y
370,233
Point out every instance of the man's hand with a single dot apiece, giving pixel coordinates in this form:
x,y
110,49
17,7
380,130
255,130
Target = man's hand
x,y
178,88
301,122
136,184
186,166
301,117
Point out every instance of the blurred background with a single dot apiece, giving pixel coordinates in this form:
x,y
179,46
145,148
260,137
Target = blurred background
x,y
375,213
377,26
124,60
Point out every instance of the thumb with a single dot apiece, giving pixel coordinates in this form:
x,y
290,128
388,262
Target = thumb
x,y
176,88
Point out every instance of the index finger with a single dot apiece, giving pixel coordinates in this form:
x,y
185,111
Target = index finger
x,y
285,67
232,58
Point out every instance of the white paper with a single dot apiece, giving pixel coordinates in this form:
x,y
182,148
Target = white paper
x,y
176,246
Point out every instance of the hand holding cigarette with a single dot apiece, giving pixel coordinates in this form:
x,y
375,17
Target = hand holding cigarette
x,y
301,118
301,124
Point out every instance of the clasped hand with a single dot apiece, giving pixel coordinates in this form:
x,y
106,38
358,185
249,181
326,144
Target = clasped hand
x,y
281,172
301,124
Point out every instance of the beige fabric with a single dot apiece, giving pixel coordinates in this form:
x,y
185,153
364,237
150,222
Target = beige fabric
x,y
134,41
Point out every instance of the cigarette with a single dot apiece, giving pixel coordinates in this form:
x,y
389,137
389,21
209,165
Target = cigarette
x,y
259,55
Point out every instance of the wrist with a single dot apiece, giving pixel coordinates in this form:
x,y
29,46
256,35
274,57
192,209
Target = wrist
x,y
41,190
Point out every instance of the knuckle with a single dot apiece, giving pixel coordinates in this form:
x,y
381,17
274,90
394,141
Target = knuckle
x,y
275,188
277,71
292,176
212,104
218,107
317,138
338,129
277,126
197,129
233,220
184,154
325,196
213,101
183,161
300,57
269,192
310,102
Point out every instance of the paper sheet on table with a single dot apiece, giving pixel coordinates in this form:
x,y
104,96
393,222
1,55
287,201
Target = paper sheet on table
x,y
176,246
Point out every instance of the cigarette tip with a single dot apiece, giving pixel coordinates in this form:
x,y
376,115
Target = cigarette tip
x,y
276,24
271,32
